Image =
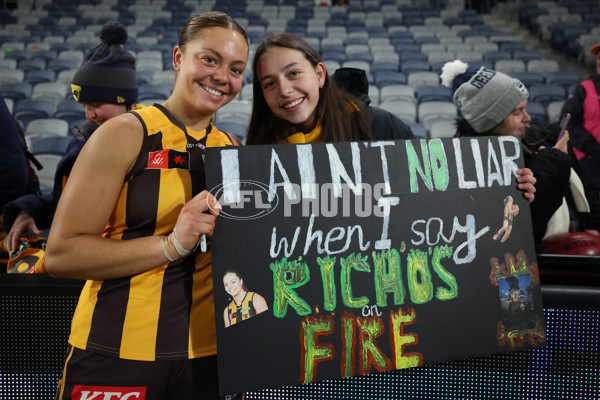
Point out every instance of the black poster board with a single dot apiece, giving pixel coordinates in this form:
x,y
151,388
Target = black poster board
x,y
370,256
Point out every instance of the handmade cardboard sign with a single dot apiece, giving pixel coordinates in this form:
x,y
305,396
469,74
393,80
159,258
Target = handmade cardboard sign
x,y
339,259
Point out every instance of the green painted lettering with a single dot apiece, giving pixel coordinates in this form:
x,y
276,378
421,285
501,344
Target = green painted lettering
x,y
419,277
443,293
399,339
439,164
329,294
370,353
415,166
288,275
348,264
312,352
388,277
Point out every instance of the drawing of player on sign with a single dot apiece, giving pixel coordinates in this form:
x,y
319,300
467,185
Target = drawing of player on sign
x,y
510,211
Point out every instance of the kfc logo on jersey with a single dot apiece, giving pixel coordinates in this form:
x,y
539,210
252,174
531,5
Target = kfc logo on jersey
x,y
81,392
168,159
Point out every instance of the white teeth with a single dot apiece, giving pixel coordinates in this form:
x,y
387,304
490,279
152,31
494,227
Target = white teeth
x,y
211,91
294,104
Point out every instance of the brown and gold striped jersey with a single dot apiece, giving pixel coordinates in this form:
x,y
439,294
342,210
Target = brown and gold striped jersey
x,y
166,312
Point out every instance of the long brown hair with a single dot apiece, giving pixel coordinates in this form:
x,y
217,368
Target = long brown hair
x,y
337,121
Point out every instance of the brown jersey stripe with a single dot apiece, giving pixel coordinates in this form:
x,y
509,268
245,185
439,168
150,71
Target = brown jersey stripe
x,y
111,305
176,302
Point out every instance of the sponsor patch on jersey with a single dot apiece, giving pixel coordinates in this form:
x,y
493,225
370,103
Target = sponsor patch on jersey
x,y
81,392
168,159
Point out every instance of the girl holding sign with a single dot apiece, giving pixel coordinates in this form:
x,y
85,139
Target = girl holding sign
x,y
129,222
294,99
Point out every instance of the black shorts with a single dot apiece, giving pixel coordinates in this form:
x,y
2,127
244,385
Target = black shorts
x,y
89,375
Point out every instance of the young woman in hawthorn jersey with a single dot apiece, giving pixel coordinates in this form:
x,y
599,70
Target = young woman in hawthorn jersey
x,y
129,222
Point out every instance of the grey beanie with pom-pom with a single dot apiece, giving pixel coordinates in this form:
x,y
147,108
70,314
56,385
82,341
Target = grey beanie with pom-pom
x,y
484,96
107,73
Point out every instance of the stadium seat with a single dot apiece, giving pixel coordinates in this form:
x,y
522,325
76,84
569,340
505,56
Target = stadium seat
x,y
509,67
385,78
566,79
409,66
432,111
360,64
46,127
368,57
163,77
493,56
35,77
397,92
154,91
72,55
11,76
554,110
234,127
545,94
8,63
236,110
529,78
417,129
542,66
422,78
65,76
537,111
29,109
338,56
383,66
15,91
433,93
61,65
53,91
526,55
443,128
49,163
32,64
143,77
403,109
18,55
70,111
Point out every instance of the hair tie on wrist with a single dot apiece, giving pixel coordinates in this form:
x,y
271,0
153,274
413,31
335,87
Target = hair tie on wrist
x,y
164,249
180,249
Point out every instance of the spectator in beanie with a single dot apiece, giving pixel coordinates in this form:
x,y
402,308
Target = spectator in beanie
x,y
493,104
106,85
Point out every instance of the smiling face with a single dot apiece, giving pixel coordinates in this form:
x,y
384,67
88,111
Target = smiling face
x,y
233,284
210,68
291,85
515,123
